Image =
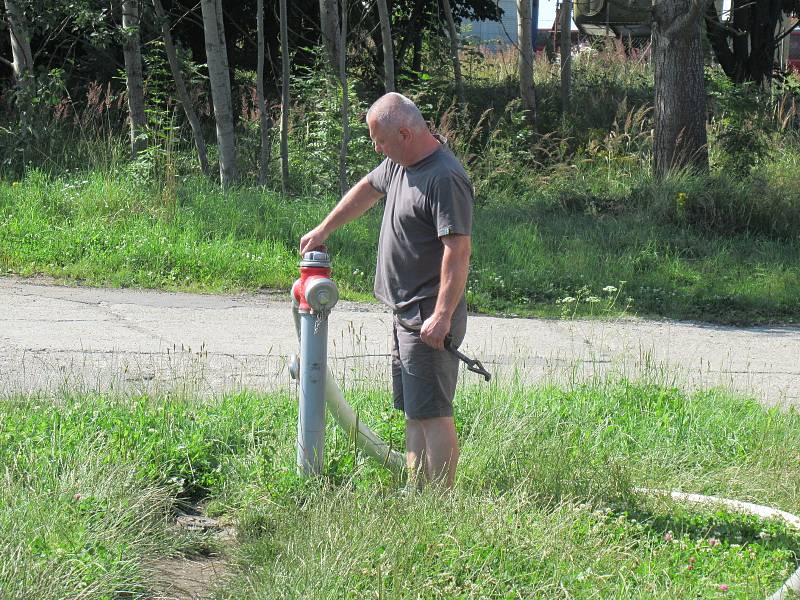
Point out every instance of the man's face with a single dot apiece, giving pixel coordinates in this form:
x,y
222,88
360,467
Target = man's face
x,y
389,141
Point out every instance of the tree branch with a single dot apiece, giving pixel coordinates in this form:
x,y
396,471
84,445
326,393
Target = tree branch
x,y
717,34
5,61
54,33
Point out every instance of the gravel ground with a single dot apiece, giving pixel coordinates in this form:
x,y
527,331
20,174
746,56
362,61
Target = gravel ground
x,y
54,337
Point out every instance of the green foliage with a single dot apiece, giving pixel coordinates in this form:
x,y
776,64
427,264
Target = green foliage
x,y
29,125
317,133
740,130
762,204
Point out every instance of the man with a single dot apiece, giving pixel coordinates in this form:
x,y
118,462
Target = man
x,y
423,261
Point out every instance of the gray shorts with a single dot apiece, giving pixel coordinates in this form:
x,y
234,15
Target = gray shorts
x,y
424,379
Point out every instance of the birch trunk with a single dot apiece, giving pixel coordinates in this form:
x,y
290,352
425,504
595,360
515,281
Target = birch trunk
x,y
264,122
132,52
284,97
679,98
329,25
343,187
388,48
526,87
20,43
451,28
180,87
566,54
218,75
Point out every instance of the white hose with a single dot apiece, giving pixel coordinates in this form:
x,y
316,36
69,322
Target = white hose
x,y
792,584
367,440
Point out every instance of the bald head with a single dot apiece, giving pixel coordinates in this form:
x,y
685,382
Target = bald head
x,y
395,110
398,130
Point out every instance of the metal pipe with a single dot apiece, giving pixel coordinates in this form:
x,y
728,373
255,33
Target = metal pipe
x,y
311,418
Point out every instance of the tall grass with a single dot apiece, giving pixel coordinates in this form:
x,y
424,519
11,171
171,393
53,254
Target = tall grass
x,y
546,475
544,501
72,523
360,544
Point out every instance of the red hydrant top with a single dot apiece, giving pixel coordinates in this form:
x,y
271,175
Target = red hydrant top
x,y
315,264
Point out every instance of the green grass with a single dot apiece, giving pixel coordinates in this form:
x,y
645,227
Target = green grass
x,y
72,522
570,238
544,501
355,545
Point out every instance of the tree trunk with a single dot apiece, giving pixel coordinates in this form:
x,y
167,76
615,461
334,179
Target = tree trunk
x,y
566,54
388,49
680,97
410,33
718,37
20,43
451,28
329,25
526,88
416,57
132,52
264,122
343,187
218,75
180,87
284,98
783,33
764,18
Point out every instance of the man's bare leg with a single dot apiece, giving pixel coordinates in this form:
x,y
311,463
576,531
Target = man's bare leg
x,y
415,453
441,449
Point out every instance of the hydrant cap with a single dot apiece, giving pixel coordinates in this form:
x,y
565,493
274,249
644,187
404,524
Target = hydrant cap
x,y
316,258
321,294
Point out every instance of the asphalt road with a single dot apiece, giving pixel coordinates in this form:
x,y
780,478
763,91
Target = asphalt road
x,y
84,339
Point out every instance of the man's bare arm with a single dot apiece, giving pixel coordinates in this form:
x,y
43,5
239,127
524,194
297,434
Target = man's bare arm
x,y
358,200
455,269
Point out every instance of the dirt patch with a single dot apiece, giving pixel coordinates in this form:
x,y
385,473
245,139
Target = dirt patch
x,y
188,578
196,577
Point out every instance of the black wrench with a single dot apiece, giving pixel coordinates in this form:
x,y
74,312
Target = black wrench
x,y
473,364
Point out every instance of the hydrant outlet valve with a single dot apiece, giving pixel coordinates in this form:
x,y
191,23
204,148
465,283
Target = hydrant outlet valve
x,y
315,291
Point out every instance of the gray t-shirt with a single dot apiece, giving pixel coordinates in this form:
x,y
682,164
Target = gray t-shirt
x,y
424,202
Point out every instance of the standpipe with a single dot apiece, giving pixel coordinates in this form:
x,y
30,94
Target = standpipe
x,y
313,297
315,294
